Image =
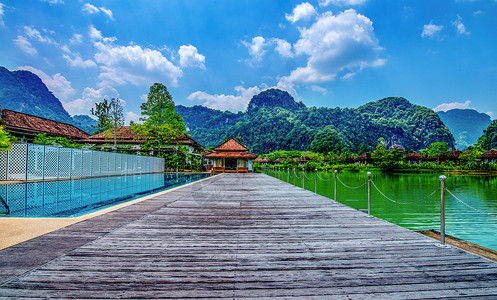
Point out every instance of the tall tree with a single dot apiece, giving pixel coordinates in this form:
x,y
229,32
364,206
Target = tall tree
x,y
161,123
110,116
5,140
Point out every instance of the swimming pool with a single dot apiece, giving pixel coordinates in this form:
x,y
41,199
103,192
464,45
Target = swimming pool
x,y
76,197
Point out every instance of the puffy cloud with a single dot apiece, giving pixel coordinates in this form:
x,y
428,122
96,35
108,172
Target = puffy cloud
x,y
283,47
222,102
256,48
317,88
303,11
431,30
95,34
25,45
453,105
78,62
133,64
76,39
88,99
58,84
189,57
460,27
91,9
333,44
324,3
131,116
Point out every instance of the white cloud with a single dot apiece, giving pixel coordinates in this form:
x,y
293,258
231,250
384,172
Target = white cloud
x,y
35,34
324,3
95,34
131,116
144,97
303,11
58,84
491,114
133,64
51,2
333,44
460,27
431,30
222,102
453,105
349,75
317,88
78,62
189,57
2,13
76,39
88,99
25,45
256,48
92,9
283,47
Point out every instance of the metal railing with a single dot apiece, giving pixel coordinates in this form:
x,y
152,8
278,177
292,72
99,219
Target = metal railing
x,y
44,162
280,172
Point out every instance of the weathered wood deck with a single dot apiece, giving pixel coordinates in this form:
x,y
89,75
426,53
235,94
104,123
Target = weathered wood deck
x,y
240,236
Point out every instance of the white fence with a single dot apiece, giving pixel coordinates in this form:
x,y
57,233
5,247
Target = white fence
x,y
40,162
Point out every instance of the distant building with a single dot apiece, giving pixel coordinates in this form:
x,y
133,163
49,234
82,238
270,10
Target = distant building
x,y
490,156
25,127
415,158
364,159
130,141
231,156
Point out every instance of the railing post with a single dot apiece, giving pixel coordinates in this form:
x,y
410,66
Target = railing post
x,y
336,174
303,178
294,175
288,174
369,194
316,182
442,212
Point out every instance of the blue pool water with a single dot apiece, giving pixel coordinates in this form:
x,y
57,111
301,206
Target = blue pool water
x,y
70,198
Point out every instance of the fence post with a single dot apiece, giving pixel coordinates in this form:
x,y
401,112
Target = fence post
x,y
27,162
442,212
303,178
369,194
336,172
316,182
294,175
288,174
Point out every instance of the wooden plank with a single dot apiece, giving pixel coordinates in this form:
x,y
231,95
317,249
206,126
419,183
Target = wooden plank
x,y
242,236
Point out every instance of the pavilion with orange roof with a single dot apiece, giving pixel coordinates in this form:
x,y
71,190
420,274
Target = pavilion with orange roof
x,y
231,156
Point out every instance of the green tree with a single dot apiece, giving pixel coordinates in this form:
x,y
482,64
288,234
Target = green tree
x,y
5,140
110,116
488,140
161,123
326,140
44,139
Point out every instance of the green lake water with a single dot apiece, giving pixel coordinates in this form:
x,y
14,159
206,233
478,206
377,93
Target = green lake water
x,y
477,191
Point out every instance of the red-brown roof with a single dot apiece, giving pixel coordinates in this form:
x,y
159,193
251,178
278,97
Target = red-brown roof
x,y
490,154
279,159
304,159
415,156
231,145
231,154
125,134
258,159
20,123
267,160
364,156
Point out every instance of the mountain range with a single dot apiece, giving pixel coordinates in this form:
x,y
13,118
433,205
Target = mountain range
x,y
275,121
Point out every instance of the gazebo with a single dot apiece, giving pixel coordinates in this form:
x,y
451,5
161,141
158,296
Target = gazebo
x,y
231,156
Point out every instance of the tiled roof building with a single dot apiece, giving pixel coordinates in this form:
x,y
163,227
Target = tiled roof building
x,y
24,126
231,156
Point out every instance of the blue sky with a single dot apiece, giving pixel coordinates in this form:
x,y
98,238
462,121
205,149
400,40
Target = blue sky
x,y
335,53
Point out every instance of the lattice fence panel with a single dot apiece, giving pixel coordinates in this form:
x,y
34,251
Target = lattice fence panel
x,y
51,162
65,161
3,165
34,199
112,164
87,163
95,163
4,205
16,196
77,163
50,198
17,162
36,162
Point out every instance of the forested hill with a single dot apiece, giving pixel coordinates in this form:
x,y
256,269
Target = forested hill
x,y
466,125
267,126
24,92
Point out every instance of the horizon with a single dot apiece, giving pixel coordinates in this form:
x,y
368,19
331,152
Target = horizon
x,y
218,54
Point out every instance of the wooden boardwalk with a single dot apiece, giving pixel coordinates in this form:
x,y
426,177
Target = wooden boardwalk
x,y
240,236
